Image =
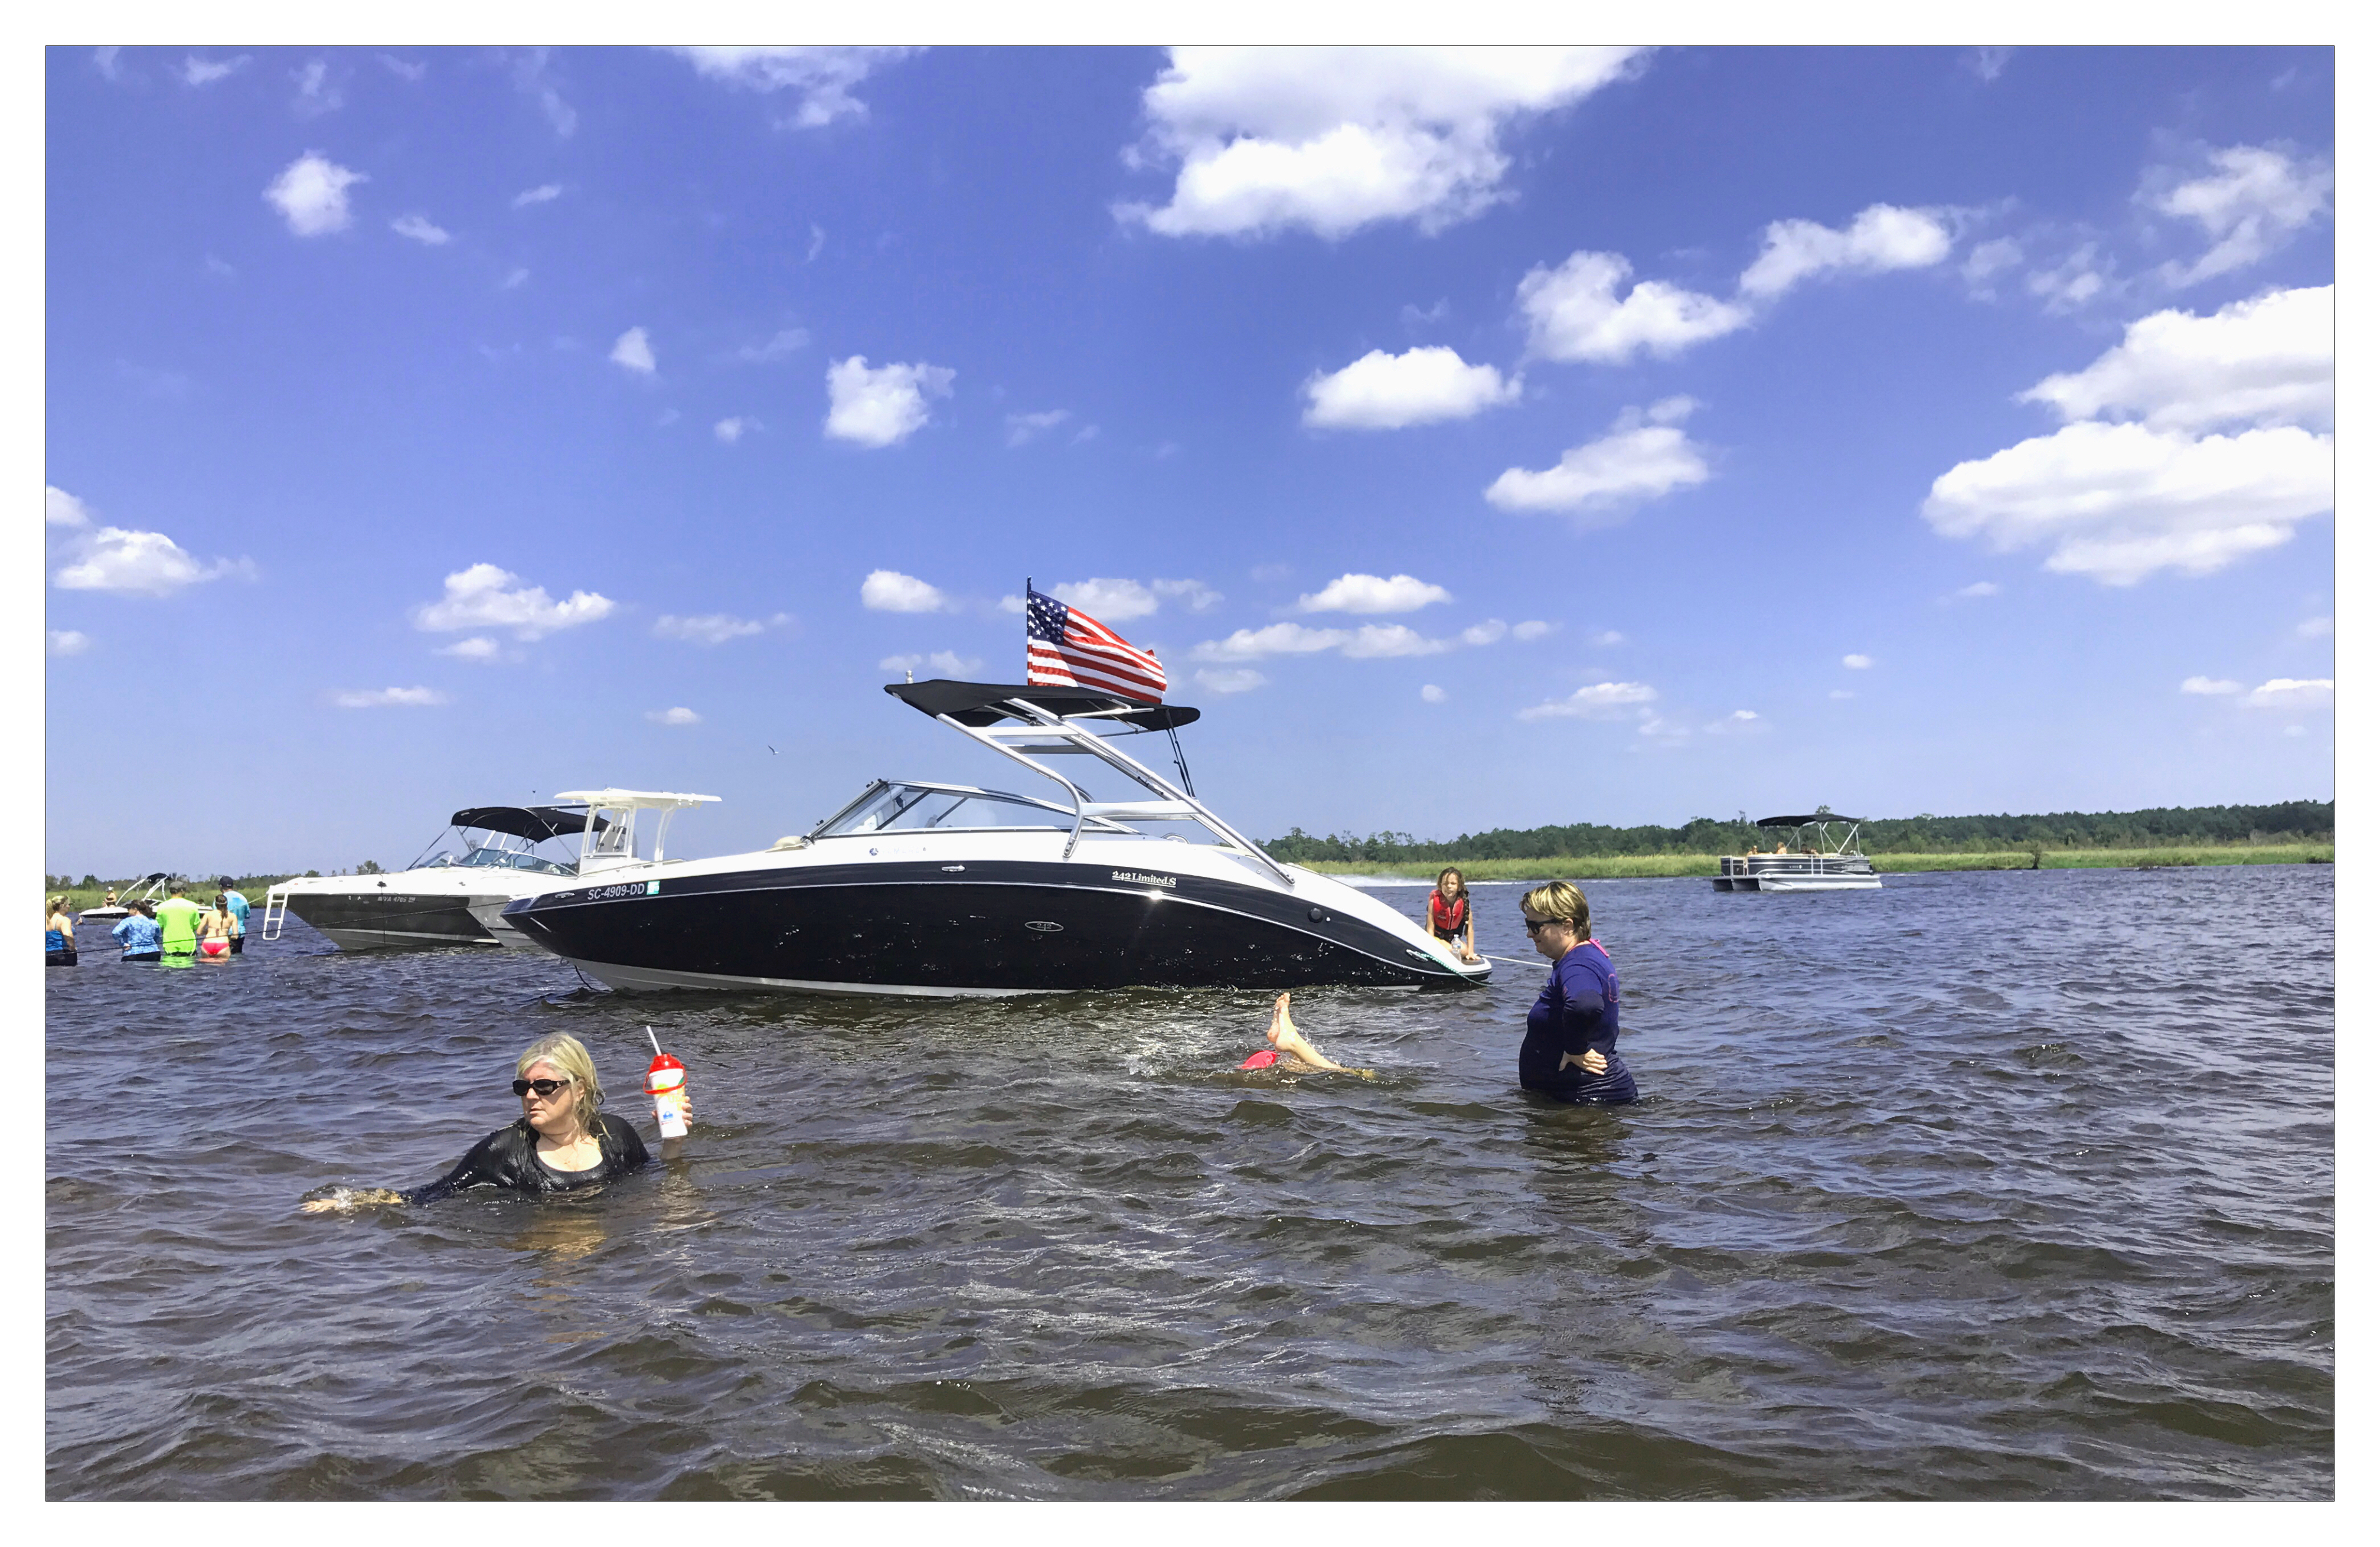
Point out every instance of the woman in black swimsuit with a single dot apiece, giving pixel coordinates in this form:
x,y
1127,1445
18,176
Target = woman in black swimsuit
x,y
564,1139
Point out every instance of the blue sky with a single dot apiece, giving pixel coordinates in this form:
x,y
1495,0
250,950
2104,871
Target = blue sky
x,y
1480,439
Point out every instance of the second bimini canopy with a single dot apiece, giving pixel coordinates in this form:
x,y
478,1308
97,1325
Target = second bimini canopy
x,y
985,703
537,823
1803,821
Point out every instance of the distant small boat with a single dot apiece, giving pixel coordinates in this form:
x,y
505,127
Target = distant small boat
x,y
112,914
1814,861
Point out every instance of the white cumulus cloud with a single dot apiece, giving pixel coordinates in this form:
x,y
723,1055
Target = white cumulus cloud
x,y
1980,589
729,431
312,194
1196,595
1279,638
1881,238
1236,679
633,351
779,345
1377,640
544,193
820,79
2209,686
130,562
1388,392
1370,593
1596,700
1109,600
2250,203
206,72
417,229
880,406
707,628
1576,312
2264,361
1643,457
486,597
889,591
2289,692
62,509
1024,428
1536,628
388,698
1371,641
1432,693
1331,139
479,648
2119,502
68,641
678,716
1859,663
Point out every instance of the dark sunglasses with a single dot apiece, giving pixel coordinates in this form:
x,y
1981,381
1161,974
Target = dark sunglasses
x,y
545,1087
1533,925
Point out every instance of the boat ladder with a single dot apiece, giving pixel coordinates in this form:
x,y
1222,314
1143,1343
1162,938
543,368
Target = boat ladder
x,y
276,909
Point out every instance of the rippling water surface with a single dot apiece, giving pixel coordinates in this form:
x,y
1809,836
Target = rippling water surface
x,y
1983,1186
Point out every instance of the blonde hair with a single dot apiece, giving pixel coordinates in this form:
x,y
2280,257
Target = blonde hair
x,y
1559,899
58,906
569,1055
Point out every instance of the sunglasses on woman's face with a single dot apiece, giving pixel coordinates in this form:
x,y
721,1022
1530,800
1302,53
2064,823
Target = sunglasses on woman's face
x,y
545,1087
1533,925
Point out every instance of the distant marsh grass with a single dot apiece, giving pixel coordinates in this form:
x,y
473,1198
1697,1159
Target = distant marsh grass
x,y
1622,867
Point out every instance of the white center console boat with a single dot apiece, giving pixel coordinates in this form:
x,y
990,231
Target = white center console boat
x,y
437,899
921,887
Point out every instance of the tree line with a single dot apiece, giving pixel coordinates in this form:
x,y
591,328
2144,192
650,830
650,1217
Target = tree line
x,y
2157,827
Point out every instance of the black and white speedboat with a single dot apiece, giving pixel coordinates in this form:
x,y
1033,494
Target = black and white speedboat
x,y
947,889
434,901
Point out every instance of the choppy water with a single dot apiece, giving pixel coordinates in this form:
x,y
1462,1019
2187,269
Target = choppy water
x,y
1984,1185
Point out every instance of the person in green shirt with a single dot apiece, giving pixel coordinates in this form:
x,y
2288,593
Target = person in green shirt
x,y
177,916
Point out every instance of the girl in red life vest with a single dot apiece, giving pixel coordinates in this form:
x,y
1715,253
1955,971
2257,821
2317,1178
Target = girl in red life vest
x,y
1450,914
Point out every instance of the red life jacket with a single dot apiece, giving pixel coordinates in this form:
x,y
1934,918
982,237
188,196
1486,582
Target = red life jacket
x,y
1446,917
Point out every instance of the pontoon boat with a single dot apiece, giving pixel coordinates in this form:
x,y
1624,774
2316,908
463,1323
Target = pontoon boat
x,y
1812,859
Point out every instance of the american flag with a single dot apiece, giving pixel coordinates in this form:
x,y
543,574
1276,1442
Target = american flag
x,y
1066,647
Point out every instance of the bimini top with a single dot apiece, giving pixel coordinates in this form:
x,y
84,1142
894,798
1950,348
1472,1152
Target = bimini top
x,y
631,800
985,703
537,823
1804,820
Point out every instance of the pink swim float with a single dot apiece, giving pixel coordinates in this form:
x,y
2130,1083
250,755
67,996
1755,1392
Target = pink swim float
x,y
1264,1060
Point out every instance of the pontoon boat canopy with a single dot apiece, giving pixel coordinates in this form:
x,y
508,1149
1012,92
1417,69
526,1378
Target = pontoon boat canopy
x,y
982,703
1803,821
537,823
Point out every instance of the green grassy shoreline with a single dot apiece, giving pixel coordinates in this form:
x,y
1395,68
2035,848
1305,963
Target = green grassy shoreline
x,y
1623,866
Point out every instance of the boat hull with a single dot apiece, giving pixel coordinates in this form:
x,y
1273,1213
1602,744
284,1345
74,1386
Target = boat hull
x,y
1801,883
1006,928
385,920
490,914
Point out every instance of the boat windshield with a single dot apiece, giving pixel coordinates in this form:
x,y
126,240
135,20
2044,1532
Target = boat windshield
x,y
512,860
913,807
